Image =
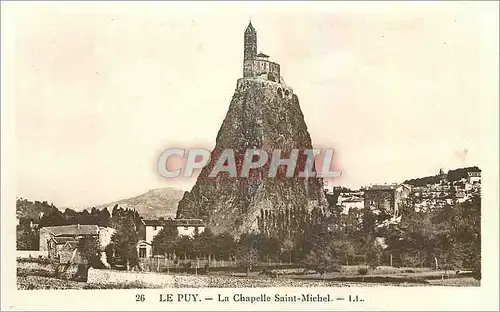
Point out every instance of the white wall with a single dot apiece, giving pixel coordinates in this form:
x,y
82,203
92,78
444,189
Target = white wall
x,y
105,234
189,231
183,231
152,232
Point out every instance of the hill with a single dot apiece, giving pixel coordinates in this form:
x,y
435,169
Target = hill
x,y
452,175
160,202
154,203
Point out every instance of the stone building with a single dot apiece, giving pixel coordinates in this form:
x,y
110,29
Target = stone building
x,y
61,242
257,65
473,177
386,198
259,71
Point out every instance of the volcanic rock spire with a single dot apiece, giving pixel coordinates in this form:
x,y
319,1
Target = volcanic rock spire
x,y
264,114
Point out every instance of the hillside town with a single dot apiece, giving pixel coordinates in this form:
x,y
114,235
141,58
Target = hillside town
x,y
429,196
65,237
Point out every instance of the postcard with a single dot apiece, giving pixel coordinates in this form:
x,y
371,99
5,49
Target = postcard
x,y
250,156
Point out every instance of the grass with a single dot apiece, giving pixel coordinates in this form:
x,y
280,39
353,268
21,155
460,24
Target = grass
x,y
456,282
42,282
44,277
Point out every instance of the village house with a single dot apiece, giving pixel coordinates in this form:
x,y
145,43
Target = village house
x,y
61,242
350,202
386,198
473,177
151,227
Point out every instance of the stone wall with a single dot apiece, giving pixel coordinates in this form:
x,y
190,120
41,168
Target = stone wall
x,y
97,276
112,277
257,67
270,88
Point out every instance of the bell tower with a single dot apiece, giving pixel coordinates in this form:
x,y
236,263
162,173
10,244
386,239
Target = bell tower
x,y
250,43
250,53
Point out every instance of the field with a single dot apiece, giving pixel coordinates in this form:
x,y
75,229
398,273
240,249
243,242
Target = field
x,y
31,276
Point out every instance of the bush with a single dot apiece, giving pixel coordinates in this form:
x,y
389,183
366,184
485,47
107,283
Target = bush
x,y
34,272
36,260
123,285
363,271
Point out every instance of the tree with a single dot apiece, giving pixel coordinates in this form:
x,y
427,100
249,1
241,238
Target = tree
x,y
467,227
207,242
165,241
287,249
314,238
53,218
89,251
103,219
184,247
125,238
247,252
268,247
373,253
343,250
26,238
447,252
323,260
224,246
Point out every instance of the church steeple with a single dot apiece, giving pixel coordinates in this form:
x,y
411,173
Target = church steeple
x,y
250,45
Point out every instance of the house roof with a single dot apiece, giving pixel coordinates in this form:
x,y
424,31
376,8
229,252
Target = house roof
x,y
72,230
63,240
250,27
153,222
262,55
71,245
187,222
352,199
173,222
386,187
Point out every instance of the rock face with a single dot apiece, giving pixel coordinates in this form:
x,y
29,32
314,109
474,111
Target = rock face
x,y
262,115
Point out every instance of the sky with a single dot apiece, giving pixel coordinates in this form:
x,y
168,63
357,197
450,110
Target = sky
x,y
99,90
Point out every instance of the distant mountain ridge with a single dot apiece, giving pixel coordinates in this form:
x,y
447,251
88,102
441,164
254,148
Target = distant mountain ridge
x,y
161,202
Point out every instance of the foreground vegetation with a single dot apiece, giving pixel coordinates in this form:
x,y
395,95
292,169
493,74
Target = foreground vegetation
x,y
41,275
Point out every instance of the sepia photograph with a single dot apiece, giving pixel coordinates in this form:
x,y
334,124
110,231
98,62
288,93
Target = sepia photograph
x,y
164,145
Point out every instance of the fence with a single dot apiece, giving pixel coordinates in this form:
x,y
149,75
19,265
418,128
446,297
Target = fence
x,y
161,264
